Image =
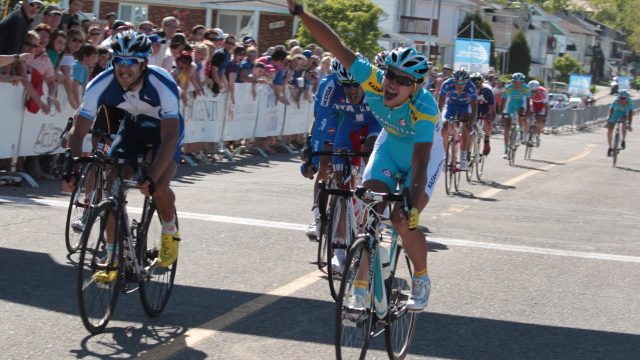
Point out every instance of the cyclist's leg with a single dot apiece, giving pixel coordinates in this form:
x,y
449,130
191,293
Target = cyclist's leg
x,y
506,126
611,123
465,123
524,124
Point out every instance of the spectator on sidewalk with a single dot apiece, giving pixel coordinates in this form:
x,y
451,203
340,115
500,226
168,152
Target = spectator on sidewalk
x,y
14,27
221,58
71,15
52,16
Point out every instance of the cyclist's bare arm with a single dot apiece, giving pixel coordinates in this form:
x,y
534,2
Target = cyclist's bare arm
x,y
419,164
474,109
325,36
80,128
441,100
169,129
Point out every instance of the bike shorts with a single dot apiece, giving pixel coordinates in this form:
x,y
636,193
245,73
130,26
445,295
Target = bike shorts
x,y
134,137
323,132
457,110
514,107
391,156
351,136
616,118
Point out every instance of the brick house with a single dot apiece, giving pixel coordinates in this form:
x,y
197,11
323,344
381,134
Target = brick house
x,y
268,21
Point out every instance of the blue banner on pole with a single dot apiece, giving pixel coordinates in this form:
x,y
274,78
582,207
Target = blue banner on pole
x,y
624,82
579,85
474,55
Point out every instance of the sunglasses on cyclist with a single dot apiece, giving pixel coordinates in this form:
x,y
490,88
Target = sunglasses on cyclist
x,y
126,61
400,80
349,84
461,82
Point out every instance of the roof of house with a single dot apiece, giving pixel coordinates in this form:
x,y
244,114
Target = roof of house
x,y
573,28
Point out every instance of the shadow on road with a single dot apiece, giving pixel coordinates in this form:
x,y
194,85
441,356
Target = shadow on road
x,y
496,185
627,169
288,318
469,195
546,162
528,167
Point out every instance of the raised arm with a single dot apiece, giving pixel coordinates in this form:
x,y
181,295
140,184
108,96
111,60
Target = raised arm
x,y
324,34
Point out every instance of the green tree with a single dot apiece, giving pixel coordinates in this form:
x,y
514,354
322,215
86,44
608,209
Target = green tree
x,y
355,21
566,65
519,55
482,31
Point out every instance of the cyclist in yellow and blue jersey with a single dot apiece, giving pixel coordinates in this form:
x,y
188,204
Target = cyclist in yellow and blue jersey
x,y
410,141
621,110
515,99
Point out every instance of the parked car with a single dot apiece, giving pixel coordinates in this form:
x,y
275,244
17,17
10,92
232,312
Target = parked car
x,y
576,103
553,98
559,87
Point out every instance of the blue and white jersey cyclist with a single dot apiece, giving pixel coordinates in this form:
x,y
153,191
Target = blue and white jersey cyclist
x,y
149,97
343,121
459,95
621,110
515,100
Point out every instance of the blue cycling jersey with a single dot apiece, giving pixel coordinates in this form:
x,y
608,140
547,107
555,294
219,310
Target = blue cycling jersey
x,y
448,90
620,110
515,99
413,121
336,117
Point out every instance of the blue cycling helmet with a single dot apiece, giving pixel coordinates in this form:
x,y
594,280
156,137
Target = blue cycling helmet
x,y
408,60
131,44
461,74
518,77
624,94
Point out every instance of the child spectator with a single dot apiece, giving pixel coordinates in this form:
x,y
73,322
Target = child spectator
x,y
86,59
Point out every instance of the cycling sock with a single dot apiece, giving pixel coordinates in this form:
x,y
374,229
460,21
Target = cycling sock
x,y
169,227
421,273
316,212
112,251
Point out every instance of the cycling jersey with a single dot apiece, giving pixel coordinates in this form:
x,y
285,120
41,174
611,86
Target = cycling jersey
x,y
414,121
515,99
620,111
156,100
485,99
336,118
539,100
458,103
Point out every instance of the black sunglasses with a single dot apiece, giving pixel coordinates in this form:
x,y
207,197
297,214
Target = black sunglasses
x,y
400,80
349,84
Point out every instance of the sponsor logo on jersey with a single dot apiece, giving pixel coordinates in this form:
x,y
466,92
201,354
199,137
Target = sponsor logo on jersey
x,y
374,86
386,172
328,92
403,122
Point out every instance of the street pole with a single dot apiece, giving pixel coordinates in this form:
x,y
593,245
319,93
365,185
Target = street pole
x,y
430,37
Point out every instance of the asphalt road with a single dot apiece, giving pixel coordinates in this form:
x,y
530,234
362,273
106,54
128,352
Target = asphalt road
x,y
540,261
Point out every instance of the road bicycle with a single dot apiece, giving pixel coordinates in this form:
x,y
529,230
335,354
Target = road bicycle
x,y
514,137
337,214
388,279
88,191
475,155
532,137
616,143
451,163
131,263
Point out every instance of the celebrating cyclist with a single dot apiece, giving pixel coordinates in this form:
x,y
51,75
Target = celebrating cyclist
x,y
409,143
621,110
539,106
486,108
150,96
459,95
515,100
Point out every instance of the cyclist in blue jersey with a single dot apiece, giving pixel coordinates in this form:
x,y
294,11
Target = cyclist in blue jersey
x,y
149,95
410,142
459,94
515,99
486,108
621,110
340,113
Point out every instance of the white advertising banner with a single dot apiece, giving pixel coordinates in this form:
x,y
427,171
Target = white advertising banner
x,y
204,119
240,120
270,113
13,100
297,116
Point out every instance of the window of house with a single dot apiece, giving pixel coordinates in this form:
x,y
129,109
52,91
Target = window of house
x,y
134,13
237,24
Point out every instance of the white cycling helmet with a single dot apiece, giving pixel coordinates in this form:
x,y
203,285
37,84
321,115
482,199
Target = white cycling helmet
x,y
534,85
340,70
131,44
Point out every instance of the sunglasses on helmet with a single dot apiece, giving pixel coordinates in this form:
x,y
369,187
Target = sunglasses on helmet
x,y
398,79
126,61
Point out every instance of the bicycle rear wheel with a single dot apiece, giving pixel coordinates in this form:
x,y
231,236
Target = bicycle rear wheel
x,y
529,146
480,160
157,283
353,329
401,324
97,296
80,203
616,149
472,156
338,211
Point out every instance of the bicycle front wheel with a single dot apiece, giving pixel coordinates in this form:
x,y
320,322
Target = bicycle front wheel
x,y
99,272
449,167
353,328
157,282
401,324
513,145
529,146
472,156
480,160
79,206
616,148
338,228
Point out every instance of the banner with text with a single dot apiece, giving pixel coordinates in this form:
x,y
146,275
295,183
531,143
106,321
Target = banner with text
x,y
579,85
472,54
